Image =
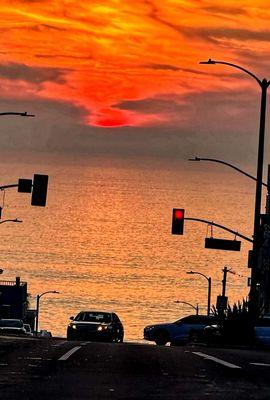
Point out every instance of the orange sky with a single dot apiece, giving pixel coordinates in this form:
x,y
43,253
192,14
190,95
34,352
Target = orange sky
x,y
105,56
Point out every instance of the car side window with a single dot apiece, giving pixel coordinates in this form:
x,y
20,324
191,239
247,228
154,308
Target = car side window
x,y
115,318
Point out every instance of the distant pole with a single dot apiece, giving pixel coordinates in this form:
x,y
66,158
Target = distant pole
x,y
209,280
37,308
224,280
37,315
209,296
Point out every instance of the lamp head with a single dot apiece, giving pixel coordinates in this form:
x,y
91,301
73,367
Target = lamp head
x,y
207,62
25,114
194,159
189,272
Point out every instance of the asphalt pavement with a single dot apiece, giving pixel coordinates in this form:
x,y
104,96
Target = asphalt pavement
x,y
60,369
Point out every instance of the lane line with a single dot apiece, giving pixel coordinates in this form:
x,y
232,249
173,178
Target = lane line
x,y
217,360
261,364
59,343
69,353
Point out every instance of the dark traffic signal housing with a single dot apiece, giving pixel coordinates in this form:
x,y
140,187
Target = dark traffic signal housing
x,y
39,192
38,189
25,185
178,218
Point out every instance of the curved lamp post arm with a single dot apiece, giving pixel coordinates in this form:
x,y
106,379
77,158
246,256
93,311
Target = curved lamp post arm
x,y
209,280
49,291
22,114
189,304
10,220
198,273
228,164
210,61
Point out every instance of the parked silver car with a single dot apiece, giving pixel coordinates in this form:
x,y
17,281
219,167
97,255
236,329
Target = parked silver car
x,y
12,327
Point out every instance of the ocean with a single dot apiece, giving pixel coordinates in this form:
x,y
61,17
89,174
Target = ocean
x,y
104,239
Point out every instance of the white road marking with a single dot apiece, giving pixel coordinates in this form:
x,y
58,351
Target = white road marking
x,y
59,343
69,353
261,364
217,360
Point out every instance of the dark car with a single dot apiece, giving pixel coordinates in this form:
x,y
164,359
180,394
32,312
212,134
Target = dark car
x,y
12,327
178,332
96,326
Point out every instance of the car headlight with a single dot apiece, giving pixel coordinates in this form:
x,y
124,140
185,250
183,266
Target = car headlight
x,y
101,328
73,326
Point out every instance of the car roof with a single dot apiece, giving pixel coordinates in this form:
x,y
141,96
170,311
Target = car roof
x,y
10,319
96,311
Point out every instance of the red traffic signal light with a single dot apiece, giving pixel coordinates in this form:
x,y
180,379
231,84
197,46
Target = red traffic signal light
x,y
39,192
178,218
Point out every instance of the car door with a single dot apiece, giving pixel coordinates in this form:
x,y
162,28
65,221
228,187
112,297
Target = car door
x,y
181,329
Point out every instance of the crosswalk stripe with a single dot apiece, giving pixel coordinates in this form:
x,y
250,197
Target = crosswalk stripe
x,y
217,360
69,353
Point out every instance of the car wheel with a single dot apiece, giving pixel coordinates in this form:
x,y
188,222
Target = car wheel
x,y
70,337
194,336
120,338
161,338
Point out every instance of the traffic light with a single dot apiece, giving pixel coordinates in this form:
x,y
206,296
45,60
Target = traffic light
x,y
25,185
178,217
39,192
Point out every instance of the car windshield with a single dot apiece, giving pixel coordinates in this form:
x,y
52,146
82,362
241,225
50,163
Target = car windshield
x,y
94,316
11,323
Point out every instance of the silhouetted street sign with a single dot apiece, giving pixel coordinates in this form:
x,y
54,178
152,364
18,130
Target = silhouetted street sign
x,y
222,244
25,185
39,193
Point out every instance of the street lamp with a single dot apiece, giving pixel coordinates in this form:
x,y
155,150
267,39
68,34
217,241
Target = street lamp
x,y
38,299
255,278
209,288
10,220
196,308
22,114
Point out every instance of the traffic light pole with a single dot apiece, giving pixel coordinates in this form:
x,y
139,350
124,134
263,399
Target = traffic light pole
x,y
221,227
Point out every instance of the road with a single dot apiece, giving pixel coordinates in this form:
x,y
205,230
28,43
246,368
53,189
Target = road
x,y
59,369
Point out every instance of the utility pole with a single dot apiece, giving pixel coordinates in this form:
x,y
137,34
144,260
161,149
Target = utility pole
x,y
254,294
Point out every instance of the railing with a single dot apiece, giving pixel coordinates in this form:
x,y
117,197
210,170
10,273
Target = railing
x,y
11,283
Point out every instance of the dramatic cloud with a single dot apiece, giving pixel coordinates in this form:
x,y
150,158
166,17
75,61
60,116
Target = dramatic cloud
x,y
23,72
114,74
